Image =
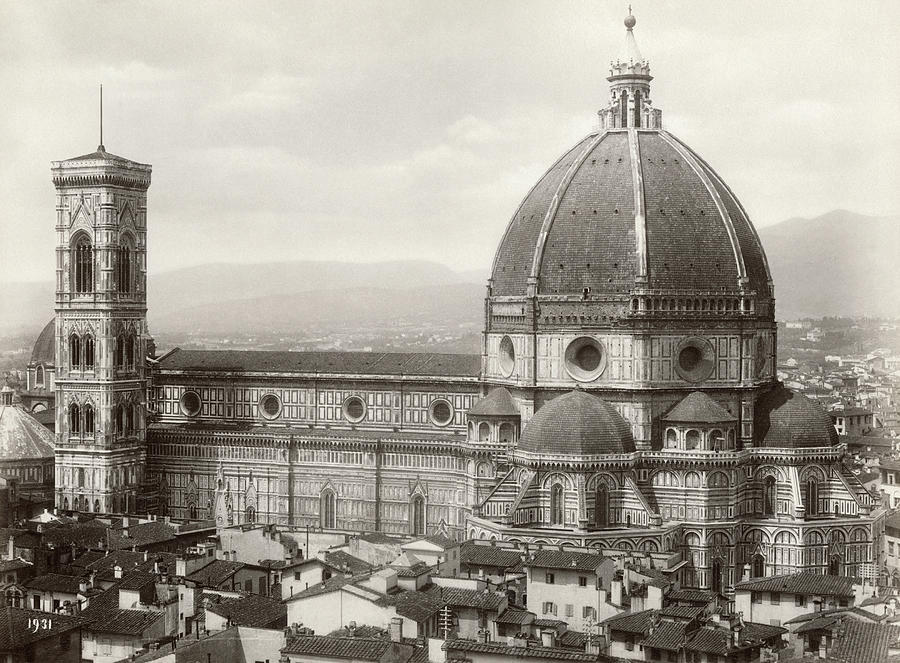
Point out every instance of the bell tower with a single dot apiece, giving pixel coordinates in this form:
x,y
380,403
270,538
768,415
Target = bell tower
x,y
101,331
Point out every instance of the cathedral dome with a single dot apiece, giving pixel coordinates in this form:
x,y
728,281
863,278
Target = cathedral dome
x,y
623,210
630,208
788,420
44,351
22,436
577,424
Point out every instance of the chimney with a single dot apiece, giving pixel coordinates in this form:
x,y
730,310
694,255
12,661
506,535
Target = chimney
x,y
117,571
82,586
395,629
745,572
548,637
351,629
483,635
11,547
145,555
592,646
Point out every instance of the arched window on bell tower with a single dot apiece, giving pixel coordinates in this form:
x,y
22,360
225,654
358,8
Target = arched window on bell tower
x,y
557,505
623,109
74,419
83,262
87,350
74,352
88,415
125,269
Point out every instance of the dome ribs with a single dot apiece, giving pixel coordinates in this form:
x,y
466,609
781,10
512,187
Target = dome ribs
x,y
550,216
640,210
757,264
596,248
513,258
688,156
690,251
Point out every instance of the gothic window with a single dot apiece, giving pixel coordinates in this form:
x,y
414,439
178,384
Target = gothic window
x,y
834,566
125,269
671,438
716,584
192,512
601,505
769,494
120,351
65,504
418,515
39,376
557,505
80,479
120,419
250,516
74,419
758,567
88,352
692,439
83,259
74,351
692,480
327,509
96,506
637,109
88,414
128,352
812,497
718,480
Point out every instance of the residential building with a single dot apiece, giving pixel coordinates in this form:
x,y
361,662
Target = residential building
x,y
778,599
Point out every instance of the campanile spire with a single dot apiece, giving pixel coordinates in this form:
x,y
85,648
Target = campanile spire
x,y
629,88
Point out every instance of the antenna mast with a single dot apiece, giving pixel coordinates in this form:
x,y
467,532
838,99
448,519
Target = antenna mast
x,y
101,148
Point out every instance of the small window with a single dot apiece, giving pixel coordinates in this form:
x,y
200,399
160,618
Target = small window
x,y
582,581
270,406
799,600
570,610
354,409
551,579
775,598
441,412
756,597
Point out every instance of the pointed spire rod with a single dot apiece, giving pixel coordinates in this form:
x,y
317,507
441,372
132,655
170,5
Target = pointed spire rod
x,y
100,147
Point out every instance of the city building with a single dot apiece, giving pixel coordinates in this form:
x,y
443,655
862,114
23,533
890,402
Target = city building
x,y
778,599
625,397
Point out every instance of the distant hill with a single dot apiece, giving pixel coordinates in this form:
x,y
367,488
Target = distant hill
x,y
175,297
839,263
363,306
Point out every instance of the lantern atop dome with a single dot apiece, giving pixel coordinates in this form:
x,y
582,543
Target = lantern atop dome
x,y
629,89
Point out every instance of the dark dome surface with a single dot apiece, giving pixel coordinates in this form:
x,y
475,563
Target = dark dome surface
x,y
788,420
698,236
44,351
577,424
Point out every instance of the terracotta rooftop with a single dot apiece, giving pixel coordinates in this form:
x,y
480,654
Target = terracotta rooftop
x,y
15,634
805,582
698,408
571,561
498,403
347,363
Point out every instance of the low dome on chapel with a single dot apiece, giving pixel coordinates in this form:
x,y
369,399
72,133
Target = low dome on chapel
x,y
577,424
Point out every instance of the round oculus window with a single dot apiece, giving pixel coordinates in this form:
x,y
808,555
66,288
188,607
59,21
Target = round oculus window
x,y
441,412
270,406
507,356
354,409
695,359
585,359
190,403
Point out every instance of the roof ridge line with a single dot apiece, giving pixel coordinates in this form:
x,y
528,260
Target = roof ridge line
x,y
640,205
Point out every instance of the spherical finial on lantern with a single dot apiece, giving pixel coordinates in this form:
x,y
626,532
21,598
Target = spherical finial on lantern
x,y
630,20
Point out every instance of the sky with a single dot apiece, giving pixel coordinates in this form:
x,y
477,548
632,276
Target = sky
x,y
369,131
